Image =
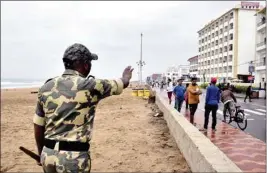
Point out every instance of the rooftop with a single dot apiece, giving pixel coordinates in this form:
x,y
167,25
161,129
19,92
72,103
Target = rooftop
x,y
237,7
192,58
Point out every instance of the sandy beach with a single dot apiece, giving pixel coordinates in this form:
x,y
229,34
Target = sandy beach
x,y
126,137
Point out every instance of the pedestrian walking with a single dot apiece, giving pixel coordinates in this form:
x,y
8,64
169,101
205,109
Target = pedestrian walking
x,y
211,104
65,111
179,92
248,94
193,98
186,97
170,90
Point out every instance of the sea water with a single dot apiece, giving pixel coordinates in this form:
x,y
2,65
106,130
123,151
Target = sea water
x,y
20,83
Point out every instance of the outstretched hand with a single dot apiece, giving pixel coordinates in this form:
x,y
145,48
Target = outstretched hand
x,y
127,73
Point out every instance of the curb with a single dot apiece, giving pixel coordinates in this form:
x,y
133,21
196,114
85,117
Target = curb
x,y
200,153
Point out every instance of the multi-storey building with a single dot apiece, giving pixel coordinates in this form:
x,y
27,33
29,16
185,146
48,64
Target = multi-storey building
x,y
193,67
183,72
227,44
260,56
172,72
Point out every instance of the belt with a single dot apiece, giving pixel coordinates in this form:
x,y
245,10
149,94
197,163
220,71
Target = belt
x,y
66,145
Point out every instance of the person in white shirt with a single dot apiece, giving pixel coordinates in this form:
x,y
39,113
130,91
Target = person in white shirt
x,y
170,90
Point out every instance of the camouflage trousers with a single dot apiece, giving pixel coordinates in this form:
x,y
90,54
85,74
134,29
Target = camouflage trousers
x,y
54,161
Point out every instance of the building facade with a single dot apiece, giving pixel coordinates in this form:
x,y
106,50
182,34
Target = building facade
x,y
260,56
193,66
227,44
183,72
172,73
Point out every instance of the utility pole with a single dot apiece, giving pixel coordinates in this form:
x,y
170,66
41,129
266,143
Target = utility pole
x,y
141,63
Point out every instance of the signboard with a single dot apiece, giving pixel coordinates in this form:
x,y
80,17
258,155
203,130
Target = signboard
x,y
250,78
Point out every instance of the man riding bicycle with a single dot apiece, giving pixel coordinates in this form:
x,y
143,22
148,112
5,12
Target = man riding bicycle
x,y
227,97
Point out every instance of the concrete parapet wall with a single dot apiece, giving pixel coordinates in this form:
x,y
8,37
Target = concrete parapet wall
x,y
200,153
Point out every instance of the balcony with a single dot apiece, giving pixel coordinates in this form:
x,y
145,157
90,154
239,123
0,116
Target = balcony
x,y
261,25
261,45
260,66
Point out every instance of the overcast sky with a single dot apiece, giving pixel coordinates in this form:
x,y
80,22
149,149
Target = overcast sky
x,y
34,35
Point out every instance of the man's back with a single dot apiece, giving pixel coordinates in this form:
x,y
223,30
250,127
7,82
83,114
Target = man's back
x,y
213,95
227,95
67,104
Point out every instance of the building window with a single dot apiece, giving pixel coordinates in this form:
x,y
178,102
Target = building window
x,y
231,25
221,31
216,42
230,69
212,35
203,40
217,24
225,28
221,40
216,61
202,48
209,45
221,50
206,38
217,33
220,69
209,37
206,47
212,53
230,58
226,17
199,49
225,69
212,44
231,15
225,38
231,37
208,62
212,26
208,54
221,60
225,58
230,47
216,51
225,48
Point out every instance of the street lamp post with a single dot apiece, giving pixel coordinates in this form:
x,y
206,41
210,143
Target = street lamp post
x,y
141,63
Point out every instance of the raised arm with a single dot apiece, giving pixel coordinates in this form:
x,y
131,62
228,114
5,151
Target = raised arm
x,y
106,88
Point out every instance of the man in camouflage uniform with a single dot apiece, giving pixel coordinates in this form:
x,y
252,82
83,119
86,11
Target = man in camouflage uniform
x,y
65,112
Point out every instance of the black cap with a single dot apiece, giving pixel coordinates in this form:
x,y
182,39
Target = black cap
x,y
78,52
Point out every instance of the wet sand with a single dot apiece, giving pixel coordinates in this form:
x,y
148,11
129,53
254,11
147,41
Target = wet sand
x,y
126,137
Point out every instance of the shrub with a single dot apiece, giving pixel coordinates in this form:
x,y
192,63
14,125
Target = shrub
x,y
204,85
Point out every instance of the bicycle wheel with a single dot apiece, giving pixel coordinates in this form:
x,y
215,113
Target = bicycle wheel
x,y
241,120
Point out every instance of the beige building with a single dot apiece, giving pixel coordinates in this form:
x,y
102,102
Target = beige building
x,y
227,44
260,46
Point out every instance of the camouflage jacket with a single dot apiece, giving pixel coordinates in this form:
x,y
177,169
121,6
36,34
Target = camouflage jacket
x,y
66,105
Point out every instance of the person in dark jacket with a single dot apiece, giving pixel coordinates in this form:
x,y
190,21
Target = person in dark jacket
x,y
248,94
212,101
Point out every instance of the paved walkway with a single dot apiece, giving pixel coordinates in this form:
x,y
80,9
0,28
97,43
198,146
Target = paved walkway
x,y
247,152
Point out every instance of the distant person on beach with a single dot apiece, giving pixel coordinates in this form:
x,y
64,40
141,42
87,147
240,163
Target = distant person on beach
x,y
65,112
169,90
193,91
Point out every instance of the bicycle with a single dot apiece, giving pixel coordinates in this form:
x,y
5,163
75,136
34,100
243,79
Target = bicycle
x,y
239,117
